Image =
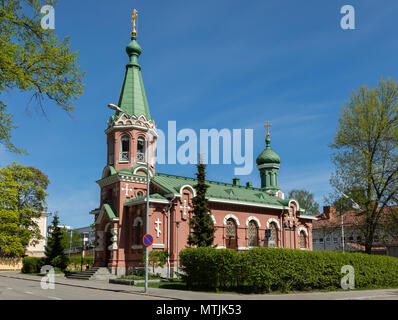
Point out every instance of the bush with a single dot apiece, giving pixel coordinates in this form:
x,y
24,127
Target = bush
x,y
60,262
32,264
75,262
276,269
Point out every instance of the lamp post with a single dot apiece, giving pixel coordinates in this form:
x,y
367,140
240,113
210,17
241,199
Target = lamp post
x,y
147,209
178,264
355,206
83,235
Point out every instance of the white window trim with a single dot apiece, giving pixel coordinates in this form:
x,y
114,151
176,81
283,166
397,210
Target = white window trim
x,y
251,218
228,216
270,220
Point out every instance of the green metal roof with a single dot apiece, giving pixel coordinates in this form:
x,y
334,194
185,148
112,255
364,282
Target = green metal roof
x,y
268,155
110,211
132,98
220,190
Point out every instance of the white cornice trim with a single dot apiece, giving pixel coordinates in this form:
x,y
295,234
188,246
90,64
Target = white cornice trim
x,y
307,217
244,203
134,202
269,165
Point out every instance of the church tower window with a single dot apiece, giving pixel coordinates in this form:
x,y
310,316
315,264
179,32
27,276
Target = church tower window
x,y
125,148
111,151
141,149
253,234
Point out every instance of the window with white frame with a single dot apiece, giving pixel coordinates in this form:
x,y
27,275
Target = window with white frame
x,y
141,149
125,148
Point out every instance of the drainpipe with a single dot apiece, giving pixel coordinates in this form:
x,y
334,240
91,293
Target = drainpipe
x,y
282,228
168,237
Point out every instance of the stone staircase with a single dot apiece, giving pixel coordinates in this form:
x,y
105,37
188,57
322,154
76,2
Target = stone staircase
x,y
95,273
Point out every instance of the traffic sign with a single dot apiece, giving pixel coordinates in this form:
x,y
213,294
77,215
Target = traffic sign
x,y
147,240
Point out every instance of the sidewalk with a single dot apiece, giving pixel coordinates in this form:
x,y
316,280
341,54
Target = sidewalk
x,y
190,295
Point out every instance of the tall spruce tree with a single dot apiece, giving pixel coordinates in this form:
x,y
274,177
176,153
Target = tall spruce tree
x,y
55,243
201,223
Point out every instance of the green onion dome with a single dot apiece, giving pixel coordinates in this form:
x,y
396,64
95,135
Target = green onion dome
x,y
268,155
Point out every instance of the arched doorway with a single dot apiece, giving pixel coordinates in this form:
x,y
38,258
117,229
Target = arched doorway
x,y
231,235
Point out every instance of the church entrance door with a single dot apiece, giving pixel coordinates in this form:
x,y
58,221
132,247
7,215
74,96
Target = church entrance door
x,y
230,233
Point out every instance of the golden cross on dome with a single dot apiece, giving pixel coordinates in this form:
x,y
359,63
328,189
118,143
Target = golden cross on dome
x,y
267,127
134,32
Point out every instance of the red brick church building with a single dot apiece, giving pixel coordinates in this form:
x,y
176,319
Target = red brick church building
x,y
240,213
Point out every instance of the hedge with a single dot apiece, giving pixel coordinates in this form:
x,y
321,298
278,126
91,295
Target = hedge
x,y
276,269
32,264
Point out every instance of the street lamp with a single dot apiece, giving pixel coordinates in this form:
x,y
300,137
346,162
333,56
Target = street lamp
x,y
355,206
83,235
147,208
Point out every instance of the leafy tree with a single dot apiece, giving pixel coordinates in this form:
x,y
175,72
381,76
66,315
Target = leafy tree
x,y
76,239
366,153
32,59
54,249
305,200
201,223
156,258
22,201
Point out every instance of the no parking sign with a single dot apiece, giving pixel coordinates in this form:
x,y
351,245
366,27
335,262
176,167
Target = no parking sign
x,y
147,240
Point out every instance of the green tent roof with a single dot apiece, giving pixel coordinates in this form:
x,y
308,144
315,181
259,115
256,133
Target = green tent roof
x,y
132,98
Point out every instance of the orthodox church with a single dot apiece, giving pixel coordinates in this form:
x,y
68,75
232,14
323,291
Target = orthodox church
x,y
245,217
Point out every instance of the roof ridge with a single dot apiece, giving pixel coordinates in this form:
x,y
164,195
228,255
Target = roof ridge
x,y
212,181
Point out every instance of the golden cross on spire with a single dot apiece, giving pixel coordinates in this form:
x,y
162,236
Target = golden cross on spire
x,y
267,125
134,32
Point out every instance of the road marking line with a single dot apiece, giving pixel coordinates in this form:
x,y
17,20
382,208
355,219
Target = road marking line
x,y
366,297
28,292
9,288
54,298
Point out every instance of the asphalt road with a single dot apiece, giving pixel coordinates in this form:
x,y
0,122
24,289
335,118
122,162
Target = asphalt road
x,y
16,287
20,289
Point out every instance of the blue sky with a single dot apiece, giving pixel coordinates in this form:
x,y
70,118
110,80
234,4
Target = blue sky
x,y
209,64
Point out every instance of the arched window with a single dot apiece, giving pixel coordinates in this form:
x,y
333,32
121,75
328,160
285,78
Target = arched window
x,y
253,234
140,194
137,234
141,149
230,234
125,148
303,240
111,151
273,239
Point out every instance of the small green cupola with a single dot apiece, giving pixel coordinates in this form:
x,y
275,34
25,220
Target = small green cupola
x,y
132,98
268,163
